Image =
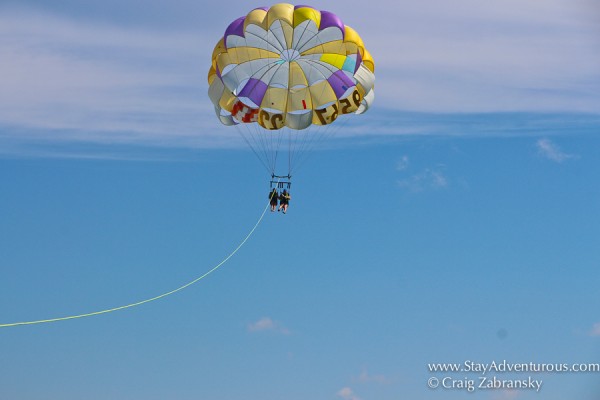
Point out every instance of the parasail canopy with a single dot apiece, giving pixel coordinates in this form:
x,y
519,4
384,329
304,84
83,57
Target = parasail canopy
x,y
291,67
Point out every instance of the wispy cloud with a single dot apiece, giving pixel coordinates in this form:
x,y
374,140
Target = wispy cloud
x,y
429,178
595,331
347,394
64,80
267,324
551,151
507,394
366,377
478,56
403,163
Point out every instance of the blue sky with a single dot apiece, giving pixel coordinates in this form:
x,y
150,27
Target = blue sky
x,y
456,220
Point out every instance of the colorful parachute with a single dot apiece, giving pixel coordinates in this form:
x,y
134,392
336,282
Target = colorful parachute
x,y
289,66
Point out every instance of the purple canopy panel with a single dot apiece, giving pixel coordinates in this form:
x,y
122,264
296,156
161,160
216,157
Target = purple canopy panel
x,y
340,82
330,19
235,28
255,90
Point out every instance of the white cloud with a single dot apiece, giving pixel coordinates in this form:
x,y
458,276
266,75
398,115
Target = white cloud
x,y
551,151
466,56
365,377
347,394
104,84
267,324
595,330
507,394
427,179
403,163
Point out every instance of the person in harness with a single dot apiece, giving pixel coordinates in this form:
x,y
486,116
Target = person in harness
x,y
273,198
284,201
